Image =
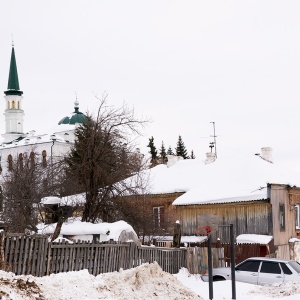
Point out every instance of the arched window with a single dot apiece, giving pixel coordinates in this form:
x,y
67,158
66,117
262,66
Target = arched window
x,y
10,162
8,104
32,159
44,161
20,161
13,104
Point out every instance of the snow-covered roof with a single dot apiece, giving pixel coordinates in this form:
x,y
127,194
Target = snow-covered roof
x,y
254,239
32,138
71,200
294,240
51,200
184,238
228,179
112,230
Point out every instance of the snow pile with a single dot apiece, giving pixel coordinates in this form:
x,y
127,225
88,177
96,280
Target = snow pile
x,y
18,287
278,290
144,282
147,281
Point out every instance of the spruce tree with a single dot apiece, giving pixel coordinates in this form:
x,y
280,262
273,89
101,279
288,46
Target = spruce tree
x,y
181,149
170,151
152,151
163,153
192,155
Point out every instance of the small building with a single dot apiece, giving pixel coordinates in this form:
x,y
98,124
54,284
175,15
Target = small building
x,y
75,230
266,242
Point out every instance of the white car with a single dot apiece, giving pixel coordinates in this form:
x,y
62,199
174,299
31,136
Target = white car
x,y
260,270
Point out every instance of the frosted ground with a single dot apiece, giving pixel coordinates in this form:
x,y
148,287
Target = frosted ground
x,y
145,282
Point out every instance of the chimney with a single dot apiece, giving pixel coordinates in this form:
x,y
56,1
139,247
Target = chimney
x,y
266,154
210,157
172,159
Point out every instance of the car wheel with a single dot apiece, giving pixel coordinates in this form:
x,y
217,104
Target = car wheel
x,y
218,278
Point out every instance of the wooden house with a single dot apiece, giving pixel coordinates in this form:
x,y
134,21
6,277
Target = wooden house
x,y
249,191
253,194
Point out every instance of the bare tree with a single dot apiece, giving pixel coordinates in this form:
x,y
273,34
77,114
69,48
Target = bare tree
x,y
27,180
60,185
103,156
22,189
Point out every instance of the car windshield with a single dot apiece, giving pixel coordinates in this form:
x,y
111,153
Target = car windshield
x,y
295,265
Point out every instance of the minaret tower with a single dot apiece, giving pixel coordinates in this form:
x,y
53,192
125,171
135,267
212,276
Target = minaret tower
x,y
13,97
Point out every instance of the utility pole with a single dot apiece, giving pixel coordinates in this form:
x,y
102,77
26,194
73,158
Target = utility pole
x,y
214,136
53,139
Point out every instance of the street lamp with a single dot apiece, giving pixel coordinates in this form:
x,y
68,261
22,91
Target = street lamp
x,y
53,139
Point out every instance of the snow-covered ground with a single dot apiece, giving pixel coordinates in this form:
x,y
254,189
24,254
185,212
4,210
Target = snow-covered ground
x,y
145,282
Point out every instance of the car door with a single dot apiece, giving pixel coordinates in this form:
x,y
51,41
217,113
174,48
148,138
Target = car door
x,y
270,272
247,271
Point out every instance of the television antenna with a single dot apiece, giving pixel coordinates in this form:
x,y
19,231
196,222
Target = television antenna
x,y
214,136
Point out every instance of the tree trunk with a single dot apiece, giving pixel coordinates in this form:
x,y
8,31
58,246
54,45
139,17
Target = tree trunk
x,y
177,235
57,230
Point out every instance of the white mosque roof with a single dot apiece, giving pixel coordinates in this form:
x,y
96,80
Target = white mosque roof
x,y
33,139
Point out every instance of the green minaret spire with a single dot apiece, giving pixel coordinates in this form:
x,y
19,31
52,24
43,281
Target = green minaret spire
x,y
13,80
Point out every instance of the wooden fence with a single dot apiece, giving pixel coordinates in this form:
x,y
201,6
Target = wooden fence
x,y
38,257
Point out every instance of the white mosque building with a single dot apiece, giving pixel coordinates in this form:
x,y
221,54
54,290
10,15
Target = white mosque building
x,y
16,144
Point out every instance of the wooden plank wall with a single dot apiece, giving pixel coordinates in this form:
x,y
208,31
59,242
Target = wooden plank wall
x,y
170,259
247,217
242,252
197,259
38,257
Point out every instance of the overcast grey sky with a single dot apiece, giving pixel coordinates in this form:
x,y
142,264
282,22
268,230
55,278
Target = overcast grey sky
x,y
182,63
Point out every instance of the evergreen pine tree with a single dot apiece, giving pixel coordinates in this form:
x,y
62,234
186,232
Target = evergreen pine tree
x,y
152,151
170,151
163,153
192,155
180,149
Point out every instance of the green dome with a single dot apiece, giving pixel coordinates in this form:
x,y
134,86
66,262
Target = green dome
x,y
76,117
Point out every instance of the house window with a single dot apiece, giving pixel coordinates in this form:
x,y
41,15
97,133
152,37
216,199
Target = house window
x,y
44,161
159,216
96,238
32,160
282,217
10,162
297,217
1,199
20,161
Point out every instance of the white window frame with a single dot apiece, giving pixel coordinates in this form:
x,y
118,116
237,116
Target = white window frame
x,y
297,216
282,216
158,208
